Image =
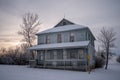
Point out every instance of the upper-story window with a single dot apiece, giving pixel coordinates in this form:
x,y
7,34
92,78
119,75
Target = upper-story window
x,y
86,36
72,37
47,39
59,40
89,37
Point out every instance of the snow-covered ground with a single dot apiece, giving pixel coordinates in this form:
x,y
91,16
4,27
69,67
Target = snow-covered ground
x,y
13,72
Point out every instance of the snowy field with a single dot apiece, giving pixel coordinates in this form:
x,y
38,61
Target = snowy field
x,y
12,72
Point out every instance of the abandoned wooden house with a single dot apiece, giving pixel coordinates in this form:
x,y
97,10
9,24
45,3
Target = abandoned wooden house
x,y
65,46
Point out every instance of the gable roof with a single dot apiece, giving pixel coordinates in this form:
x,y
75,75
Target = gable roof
x,y
63,28
64,22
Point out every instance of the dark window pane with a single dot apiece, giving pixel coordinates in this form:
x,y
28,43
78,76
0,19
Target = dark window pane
x,y
59,40
71,37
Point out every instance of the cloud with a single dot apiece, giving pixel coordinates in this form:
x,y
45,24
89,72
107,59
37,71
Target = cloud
x,y
92,13
9,38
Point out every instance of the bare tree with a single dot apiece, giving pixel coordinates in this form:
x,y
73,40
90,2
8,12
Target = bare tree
x,y
107,37
2,51
23,48
29,27
17,55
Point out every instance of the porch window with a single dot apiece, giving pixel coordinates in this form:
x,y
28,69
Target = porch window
x,y
59,54
41,56
59,40
71,37
49,55
80,54
72,54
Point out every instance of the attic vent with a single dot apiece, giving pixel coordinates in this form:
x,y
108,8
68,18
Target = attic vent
x,y
64,23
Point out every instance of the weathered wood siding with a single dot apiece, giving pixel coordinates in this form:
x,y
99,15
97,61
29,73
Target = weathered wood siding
x,y
79,35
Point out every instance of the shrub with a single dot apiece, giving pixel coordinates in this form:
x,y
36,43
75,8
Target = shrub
x,y
99,62
118,59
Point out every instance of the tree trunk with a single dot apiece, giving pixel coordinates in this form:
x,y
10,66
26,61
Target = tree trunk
x,y
107,51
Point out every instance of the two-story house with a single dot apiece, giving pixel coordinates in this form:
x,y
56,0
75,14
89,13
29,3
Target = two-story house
x,y
66,45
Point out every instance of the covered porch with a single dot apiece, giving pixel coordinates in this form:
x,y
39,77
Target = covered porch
x,y
68,56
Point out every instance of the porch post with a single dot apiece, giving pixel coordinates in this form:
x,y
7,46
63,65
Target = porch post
x,y
29,57
64,56
32,58
55,58
45,58
85,50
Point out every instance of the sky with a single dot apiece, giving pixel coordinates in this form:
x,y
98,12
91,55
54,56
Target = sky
x,y
95,14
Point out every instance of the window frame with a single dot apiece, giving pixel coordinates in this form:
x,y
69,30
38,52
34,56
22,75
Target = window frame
x,y
47,39
80,54
59,38
72,36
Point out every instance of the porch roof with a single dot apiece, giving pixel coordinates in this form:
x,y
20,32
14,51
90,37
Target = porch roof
x,y
60,45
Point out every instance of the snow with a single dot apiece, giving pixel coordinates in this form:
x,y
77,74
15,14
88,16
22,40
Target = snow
x,y
63,28
60,45
10,72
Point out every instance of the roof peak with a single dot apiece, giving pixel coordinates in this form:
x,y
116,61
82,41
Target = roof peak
x,y
64,22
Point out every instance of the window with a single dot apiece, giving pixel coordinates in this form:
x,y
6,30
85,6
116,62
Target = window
x,y
41,39
86,36
89,36
71,37
80,54
73,54
47,39
49,55
59,38
59,54
41,55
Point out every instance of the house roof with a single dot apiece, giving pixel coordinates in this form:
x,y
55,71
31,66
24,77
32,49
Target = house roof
x,y
63,28
60,45
60,27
